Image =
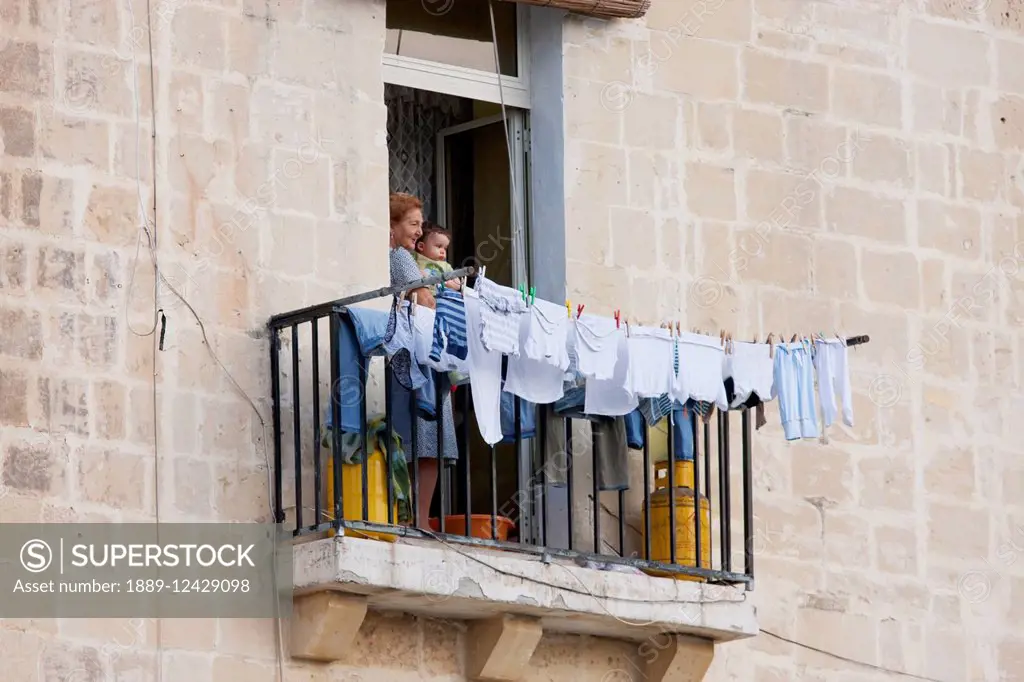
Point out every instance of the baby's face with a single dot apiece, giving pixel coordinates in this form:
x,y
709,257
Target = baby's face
x,y
435,247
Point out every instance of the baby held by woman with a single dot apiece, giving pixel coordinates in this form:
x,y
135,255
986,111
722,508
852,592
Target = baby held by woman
x,y
432,253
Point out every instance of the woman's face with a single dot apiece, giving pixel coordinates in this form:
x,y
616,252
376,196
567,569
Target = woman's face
x,y
405,232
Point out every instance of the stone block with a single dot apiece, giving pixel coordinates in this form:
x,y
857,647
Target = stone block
x,y
711,191
17,131
63,406
891,278
13,267
282,117
94,21
676,658
308,57
115,479
23,333
952,228
499,649
99,83
896,550
887,483
110,415
61,272
954,56
633,238
25,69
782,201
785,82
75,141
1008,122
186,102
757,135
816,146
249,41
938,110
883,159
857,212
47,203
32,468
673,68
112,215
651,122
1010,77
956,530
199,37
867,97
13,397
324,625
714,124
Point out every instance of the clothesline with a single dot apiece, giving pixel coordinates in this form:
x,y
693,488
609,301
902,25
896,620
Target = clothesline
x,y
605,367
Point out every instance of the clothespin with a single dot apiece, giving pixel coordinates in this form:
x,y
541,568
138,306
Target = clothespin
x,y
579,310
412,305
533,295
568,308
679,329
618,318
771,346
522,292
483,271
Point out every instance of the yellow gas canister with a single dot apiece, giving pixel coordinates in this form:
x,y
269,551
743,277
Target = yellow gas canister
x,y
686,536
352,495
682,477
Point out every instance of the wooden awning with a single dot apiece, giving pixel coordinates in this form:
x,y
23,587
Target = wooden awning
x,y
602,9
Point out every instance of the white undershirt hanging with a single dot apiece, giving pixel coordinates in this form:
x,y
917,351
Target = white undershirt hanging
x,y
701,366
751,368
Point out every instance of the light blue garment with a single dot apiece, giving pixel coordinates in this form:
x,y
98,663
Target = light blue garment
x,y
794,385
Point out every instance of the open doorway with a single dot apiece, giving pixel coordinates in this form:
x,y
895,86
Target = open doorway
x,y
453,153
466,160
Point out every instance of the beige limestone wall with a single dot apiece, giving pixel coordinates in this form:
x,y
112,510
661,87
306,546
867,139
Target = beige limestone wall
x,y
271,183
802,166
896,543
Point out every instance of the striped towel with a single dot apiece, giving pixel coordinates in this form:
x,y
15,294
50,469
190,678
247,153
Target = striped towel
x,y
449,326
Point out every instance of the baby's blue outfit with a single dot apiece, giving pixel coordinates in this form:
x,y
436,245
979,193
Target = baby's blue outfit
x,y
794,387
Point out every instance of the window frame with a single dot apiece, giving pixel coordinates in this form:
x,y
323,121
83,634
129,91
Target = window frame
x,y
469,83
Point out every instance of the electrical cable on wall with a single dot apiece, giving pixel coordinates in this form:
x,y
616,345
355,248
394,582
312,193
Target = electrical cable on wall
x,y
149,233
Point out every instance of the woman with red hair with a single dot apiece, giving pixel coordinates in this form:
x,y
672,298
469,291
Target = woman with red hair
x,y
406,227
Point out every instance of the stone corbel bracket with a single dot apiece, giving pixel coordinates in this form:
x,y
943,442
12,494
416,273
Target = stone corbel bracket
x,y
324,625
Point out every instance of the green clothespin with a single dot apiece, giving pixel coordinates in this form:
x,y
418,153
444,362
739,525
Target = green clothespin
x,y
533,294
522,291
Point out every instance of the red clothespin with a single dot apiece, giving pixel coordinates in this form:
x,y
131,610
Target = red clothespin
x,y
618,319
579,310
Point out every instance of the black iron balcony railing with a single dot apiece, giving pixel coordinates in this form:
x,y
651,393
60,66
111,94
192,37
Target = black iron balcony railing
x,y
543,495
